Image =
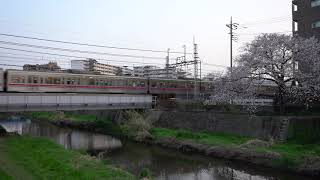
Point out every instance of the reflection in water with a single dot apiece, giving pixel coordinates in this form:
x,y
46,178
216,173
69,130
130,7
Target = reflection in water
x,y
70,139
168,164
165,164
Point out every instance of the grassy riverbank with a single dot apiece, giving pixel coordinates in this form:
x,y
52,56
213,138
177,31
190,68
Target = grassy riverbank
x,y
201,137
292,154
89,122
56,116
36,158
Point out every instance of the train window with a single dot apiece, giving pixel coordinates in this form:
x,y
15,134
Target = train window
x,y
68,81
153,84
56,80
35,80
76,81
22,80
129,83
133,84
29,79
49,80
73,81
124,83
15,79
41,80
107,83
91,81
120,83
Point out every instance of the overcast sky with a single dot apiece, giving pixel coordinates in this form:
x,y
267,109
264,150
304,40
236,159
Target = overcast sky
x,y
146,24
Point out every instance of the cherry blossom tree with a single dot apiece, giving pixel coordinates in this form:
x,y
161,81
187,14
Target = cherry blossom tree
x,y
273,57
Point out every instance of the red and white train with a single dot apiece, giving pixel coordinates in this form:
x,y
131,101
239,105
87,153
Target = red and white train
x,y
30,81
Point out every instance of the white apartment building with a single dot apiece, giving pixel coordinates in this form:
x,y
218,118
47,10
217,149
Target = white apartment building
x,y
93,65
156,72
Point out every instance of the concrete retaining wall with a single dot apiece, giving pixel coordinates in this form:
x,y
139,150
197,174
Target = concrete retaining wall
x,y
262,127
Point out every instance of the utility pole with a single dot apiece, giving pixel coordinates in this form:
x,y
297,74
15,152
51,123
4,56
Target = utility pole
x,y
168,62
196,57
232,26
184,52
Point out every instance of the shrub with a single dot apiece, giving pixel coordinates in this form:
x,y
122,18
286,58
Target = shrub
x,y
145,173
136,125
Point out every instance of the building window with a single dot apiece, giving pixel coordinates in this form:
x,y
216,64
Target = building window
x,y
296,27
316,24
315,3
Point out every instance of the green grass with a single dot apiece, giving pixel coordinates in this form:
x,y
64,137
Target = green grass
x,y
104,124
53,116
4,175
201,137
37,158
294,154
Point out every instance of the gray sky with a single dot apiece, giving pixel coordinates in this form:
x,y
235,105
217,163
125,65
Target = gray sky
x,y
146,24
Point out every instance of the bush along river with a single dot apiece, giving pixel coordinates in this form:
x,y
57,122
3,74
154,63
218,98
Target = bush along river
x,y
161,163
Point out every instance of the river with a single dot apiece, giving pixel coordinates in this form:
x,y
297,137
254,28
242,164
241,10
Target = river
x,y
165,164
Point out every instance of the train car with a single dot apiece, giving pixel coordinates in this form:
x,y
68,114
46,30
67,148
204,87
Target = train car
x,y
30,81
171,86
2,82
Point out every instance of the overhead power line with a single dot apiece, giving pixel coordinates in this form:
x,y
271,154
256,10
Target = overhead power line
x,y
11,65
255,34
66,59
29,60
86,44
71,56
77,51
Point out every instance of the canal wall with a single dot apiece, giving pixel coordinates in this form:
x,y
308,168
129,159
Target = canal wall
x,y
302,128
263,127
305,129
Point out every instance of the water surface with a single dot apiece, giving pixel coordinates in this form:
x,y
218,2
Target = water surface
x,y
165,164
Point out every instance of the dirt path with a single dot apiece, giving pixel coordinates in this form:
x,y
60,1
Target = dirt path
x,y
10,167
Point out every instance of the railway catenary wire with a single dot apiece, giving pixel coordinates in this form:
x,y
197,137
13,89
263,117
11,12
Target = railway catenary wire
x,y
90,45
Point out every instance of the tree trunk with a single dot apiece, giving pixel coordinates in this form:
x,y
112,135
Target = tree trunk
x,y
281,99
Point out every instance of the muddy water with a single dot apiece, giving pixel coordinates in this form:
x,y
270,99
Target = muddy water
x,y
164,164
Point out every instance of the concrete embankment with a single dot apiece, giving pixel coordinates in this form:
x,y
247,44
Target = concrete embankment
x,y
261,127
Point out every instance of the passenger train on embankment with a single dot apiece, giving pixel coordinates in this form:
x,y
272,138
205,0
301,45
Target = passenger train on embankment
x,y
56,82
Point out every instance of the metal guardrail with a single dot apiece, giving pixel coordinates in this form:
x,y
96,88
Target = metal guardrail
x,y
14,102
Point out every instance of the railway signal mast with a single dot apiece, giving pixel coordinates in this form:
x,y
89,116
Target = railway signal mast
x,y
182,62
